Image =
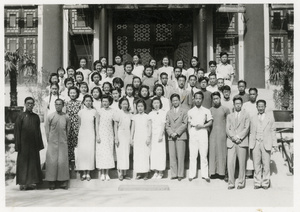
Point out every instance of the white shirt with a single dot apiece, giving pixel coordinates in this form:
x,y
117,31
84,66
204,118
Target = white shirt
x,y
212,88
138,71
86,72
250,108
199,115
225,70
194,89
131,99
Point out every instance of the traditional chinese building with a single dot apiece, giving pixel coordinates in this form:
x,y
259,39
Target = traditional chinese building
x,y
58,35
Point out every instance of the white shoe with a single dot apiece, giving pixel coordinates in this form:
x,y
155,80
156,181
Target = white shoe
x,y
107,177
159,176
102,177
155,176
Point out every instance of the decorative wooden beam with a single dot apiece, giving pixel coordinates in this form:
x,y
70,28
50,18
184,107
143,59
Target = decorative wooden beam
x,y
282,6
230,8
75,6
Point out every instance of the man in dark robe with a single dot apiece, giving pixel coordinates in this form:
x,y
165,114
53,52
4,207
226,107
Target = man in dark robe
x,y
29,142
57,164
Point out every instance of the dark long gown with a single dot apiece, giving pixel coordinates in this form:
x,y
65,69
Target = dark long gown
x,y
217,141
29,142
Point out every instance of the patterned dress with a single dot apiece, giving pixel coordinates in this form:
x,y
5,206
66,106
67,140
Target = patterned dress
x,y
105,149
72,109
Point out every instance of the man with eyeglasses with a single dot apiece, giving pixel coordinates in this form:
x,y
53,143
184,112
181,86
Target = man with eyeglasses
x,y
28,140
212,69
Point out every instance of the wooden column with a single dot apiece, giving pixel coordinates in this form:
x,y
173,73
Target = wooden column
x,y
202,37
103,32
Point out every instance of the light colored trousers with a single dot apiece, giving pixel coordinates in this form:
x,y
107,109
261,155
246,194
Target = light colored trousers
x,y
261,159
177,155
198,143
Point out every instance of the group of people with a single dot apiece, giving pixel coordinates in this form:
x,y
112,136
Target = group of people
x,y
94,117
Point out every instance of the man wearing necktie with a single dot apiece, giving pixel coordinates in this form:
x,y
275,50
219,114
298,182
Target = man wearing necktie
x,y
237,129
262,139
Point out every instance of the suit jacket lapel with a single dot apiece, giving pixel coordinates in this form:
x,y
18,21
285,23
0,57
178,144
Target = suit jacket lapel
x,y
240,119
265,122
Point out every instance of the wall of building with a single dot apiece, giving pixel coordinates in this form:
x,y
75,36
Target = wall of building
x,y
52,37
254,46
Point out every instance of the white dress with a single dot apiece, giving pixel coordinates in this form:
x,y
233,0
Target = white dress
x,y
105,150
85,151
141,152
138,71
124,121
158,149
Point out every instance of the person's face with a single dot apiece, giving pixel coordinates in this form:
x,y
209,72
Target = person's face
x,y
200,73
220,83
83,89
61,73
73,94
224,58
103,61
164,79
198,100
105,103
144,92
136,83
261,107
175,102
54,79
135,59
128,68
88,102
98,66
216,100
156,105
238,105
115,95
69,84
226,94
95,94
152,63
241,87
79,78
59,106
180,63
106,88
96,79
252,96
212,80
203,84
129,91
110,72
117,85
194,62
165,61
124,105
192,81
148,72
212,68
54,90
159,91
118,60
82,63
103,70
177,72
181,82
29,104
71,72
140,107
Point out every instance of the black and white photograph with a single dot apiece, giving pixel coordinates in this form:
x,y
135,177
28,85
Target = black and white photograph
x,y
148,104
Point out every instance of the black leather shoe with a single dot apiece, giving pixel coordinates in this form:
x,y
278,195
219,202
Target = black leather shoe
x,y
265,187
51,188
226,179
230,187
257,187
173,178
190,179
240,187
179,178
206,179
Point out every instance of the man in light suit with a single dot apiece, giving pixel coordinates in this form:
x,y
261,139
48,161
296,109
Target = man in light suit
x,y
185,97
262,139
167,85
176,127
237,129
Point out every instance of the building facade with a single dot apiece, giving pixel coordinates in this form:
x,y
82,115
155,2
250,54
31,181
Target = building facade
x,y
58,35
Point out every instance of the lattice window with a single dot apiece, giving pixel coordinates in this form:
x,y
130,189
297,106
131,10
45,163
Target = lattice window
x,y
144,53
164,32
30,48
185,33
82,21
225,22
121,26
12,20
122,46
12,44
30,17
141,32
277,46
277,19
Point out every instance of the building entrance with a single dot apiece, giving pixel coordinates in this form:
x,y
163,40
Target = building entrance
x,y
153,34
